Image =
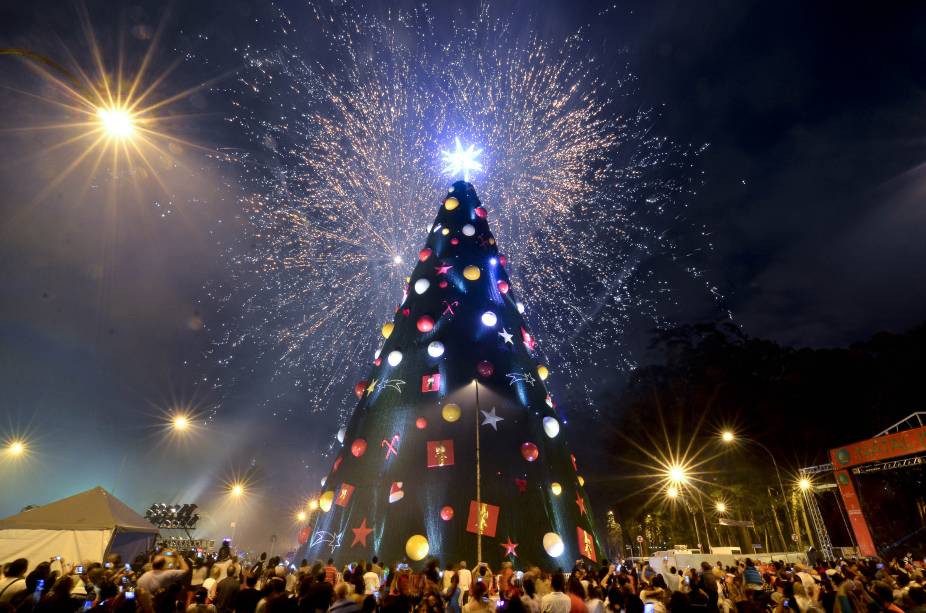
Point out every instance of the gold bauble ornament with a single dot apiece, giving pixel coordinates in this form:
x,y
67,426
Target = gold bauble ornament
x,y
388,327
451,412
325,501
543,372
556,488
472,273
451,203
416,547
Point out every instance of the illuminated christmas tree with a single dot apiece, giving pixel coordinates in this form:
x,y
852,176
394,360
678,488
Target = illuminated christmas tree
x,y
455,450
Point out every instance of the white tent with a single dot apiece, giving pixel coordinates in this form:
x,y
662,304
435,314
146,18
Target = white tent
x,y
83,527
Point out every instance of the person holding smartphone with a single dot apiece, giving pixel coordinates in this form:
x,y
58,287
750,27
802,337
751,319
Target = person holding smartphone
x,y
160,576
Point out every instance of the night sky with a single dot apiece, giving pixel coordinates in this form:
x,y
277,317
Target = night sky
x,y
812,193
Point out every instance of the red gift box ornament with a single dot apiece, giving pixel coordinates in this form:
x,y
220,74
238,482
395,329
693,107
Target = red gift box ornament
x,y
483,518
344,494
440,453
586,544
430,383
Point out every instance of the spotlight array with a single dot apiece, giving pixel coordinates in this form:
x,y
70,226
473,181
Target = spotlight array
x,y
176,516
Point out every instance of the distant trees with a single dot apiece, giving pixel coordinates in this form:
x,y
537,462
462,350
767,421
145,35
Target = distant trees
x,y
700,378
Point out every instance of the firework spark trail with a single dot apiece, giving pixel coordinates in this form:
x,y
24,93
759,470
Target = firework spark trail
x,y
345,181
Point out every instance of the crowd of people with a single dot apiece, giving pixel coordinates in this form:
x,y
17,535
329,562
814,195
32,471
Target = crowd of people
x,y
168,581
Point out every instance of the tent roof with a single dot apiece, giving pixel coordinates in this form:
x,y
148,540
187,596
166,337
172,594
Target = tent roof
x,y
94,509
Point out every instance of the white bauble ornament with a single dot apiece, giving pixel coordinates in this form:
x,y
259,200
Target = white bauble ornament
x,y
469,230
519,306
394,358
435,349
489,319
553,544
341,434
550,427
421,286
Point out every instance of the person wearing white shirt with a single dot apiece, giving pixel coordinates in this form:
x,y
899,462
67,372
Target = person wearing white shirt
x,y
466,577
556,601
370,581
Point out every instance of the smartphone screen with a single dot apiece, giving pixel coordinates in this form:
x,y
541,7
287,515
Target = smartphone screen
x,y
649,607
128,568
130,595
80,570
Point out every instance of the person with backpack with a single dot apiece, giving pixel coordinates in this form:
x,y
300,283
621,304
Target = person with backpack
x,y
14,580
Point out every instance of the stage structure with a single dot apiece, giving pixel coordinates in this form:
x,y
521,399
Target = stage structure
x,y
902,445
456,449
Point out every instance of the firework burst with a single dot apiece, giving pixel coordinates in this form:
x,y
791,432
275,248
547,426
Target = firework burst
x,y
344,180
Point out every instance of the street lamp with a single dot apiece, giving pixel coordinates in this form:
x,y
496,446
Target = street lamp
x,y
805,484
721,507
301,516
313,504
677,474
236,490
728,437
16,448
180,423
672,492
118,122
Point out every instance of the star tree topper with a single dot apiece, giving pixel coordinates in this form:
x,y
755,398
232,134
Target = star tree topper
x,y
460,161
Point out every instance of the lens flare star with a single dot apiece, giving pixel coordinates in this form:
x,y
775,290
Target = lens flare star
x,y
109,119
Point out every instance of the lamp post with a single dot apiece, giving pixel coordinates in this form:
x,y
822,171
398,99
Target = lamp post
x,y
677,476
728,437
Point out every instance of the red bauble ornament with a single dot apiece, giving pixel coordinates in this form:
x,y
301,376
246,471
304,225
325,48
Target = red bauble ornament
x,y
503,260
446,513
529,451
377,361
485,369
481,213
304,535
358,447
442,284
454,241
425,323
421,423
424,254
406,312
337,463
503,286
360,388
